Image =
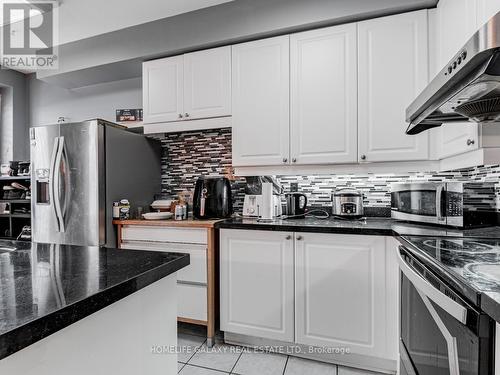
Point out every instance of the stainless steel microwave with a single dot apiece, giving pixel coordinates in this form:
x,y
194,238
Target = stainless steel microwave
x,y
455,204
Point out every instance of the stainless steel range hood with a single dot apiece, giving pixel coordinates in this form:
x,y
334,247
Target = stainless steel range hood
x,y
467,88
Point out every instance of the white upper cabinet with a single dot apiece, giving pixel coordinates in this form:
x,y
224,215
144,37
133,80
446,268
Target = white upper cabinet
x,y
163,89
207,83
323,85
485,10
392,71
256,283
260,91
188,87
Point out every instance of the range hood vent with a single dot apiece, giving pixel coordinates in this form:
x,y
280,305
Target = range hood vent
x,y
467,88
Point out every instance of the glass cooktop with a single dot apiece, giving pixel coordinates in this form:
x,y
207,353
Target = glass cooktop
x,y
474,262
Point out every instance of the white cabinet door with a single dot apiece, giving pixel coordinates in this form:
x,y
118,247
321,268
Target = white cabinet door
x,y
207,83
260,91
342,294
485,10
393,69
457,138
256,283
162,91
323,91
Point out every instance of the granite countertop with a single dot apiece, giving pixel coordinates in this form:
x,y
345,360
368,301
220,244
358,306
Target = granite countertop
x,y
470,265
367,226
46,287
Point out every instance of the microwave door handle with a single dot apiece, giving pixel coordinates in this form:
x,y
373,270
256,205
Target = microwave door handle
x,y
57,187
52,174
451,342
439,198
453,308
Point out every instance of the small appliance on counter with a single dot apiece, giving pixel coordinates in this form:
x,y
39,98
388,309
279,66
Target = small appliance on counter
x,y
347,203
455,204
296,205
253,202
212,198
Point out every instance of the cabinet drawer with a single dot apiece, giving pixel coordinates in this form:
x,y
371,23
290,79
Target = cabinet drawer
x,y
196,271
145,233
192,301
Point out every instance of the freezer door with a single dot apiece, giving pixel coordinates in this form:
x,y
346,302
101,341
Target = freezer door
x,y
79,184
44,143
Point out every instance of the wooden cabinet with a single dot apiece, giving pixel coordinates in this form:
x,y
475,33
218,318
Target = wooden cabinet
x,y
345,293
257,283
392,70
188,87
196,282
323,81
260,91
163,89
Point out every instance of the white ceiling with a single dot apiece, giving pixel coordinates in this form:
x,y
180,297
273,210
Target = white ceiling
x,y
83,19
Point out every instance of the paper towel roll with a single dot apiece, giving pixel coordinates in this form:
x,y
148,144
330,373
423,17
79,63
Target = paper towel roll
x,y
267,209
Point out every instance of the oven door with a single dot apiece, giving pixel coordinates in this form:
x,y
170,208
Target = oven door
x,y
440,332
424,202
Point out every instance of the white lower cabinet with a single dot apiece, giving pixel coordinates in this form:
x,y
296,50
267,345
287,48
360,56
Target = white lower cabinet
x,y
312,289
342,297
256,278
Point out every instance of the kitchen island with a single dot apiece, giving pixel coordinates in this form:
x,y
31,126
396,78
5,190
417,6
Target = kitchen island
x,y
80,310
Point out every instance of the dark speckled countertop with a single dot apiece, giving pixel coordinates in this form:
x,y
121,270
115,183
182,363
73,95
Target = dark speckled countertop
x,y
471,264
367,226
44,287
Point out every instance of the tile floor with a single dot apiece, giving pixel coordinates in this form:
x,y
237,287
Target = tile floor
x,y
197,359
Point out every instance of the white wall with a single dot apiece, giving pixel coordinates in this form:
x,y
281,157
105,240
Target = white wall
x,y
48,102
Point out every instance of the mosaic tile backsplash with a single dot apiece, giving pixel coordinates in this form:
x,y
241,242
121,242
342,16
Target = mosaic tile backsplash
x,y
188,155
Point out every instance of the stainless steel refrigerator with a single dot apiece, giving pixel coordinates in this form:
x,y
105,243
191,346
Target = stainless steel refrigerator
x,y
78,170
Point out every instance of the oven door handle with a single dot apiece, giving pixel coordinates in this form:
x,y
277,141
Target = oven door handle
x,y
451,342
451,307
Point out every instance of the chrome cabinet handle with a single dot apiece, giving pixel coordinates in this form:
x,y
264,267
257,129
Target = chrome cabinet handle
x,y
299,238
363,157
470,142
453,308
285,160
180,115
288,237
186,114
294,160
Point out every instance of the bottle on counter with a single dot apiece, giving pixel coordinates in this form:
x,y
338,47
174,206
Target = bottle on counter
x,y
124,209
116,210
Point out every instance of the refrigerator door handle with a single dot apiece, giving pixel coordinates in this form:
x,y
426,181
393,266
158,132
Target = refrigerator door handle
x,y
57,187
52,174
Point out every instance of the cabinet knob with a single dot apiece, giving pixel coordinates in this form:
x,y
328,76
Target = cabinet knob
x,y
470,142
285,160
363,157
294,160
288,237
186,114
180,115
299,238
